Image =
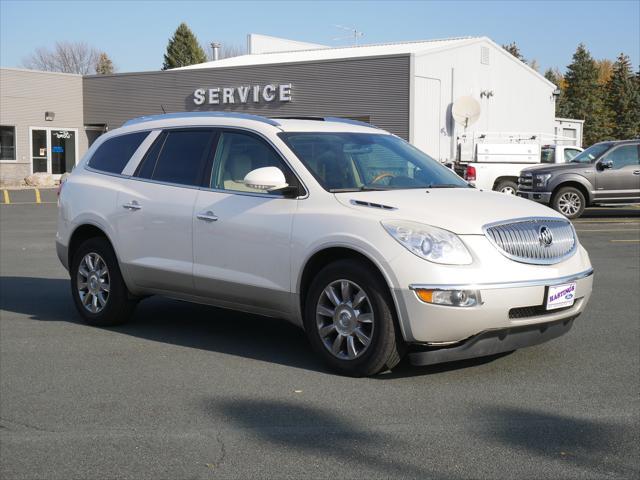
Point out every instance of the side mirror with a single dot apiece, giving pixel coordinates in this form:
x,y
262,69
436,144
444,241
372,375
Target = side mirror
x,y
266,178
605,164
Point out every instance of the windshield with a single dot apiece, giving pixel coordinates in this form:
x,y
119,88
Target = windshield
x,y
364,161
591,153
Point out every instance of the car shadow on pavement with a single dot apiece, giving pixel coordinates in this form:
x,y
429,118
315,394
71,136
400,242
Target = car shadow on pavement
x,y
319,433
611,212
588,444
194,326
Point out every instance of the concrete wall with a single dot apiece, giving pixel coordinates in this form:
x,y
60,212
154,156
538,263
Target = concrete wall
x,y
377,88
522,100
25,96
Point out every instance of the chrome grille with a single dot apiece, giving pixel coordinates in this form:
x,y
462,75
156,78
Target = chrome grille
x,y
523,240
525,182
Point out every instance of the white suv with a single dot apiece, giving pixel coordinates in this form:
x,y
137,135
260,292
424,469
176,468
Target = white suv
x,y
349,232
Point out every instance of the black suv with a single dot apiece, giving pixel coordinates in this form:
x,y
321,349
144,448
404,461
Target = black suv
x,y
605,173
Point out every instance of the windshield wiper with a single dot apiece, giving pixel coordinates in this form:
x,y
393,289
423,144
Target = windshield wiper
x,y
444,185
364,188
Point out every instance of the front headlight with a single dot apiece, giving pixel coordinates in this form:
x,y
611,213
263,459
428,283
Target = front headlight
x,y
430,243
541,180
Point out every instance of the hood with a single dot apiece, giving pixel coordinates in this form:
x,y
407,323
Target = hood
x,y
558,167
459,210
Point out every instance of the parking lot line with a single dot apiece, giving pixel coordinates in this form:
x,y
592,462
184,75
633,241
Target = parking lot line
x,y
637,240
38,199
633,230
31,203
7,200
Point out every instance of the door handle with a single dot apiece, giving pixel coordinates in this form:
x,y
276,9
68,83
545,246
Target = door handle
x,y
133,206
207,216
636,172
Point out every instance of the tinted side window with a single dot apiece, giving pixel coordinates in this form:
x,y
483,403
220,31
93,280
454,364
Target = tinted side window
x,y
624,156
148,163
237,155
182,157
113,155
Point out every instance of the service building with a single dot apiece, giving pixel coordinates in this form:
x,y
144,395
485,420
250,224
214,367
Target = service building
x,y
48,120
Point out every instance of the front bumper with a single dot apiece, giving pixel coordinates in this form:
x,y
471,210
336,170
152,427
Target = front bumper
x,y
540,197
504,306
492,342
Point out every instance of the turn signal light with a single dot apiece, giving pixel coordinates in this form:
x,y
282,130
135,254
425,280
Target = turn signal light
x,y
454,298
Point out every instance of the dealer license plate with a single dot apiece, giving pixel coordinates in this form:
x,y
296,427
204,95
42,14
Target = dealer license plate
x,y
560,296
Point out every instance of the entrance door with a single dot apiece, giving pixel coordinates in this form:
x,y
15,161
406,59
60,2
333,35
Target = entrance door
x,y
39,150
63,151
53,150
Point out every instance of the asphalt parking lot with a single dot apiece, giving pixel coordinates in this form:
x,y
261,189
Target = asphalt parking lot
x,y
191,392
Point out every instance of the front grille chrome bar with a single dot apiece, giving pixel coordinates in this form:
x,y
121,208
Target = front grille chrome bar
x,y
538,240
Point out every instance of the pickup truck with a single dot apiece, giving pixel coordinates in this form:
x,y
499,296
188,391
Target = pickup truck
x,y
498,166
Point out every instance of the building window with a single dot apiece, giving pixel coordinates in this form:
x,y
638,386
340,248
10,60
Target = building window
x,y
7,143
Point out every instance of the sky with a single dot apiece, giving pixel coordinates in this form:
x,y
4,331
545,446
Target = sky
x,y
135,33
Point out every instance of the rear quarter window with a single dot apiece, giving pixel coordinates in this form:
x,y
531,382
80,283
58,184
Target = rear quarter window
x,y
115,153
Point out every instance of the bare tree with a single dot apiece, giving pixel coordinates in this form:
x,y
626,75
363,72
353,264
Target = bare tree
x,y
227,51
65,57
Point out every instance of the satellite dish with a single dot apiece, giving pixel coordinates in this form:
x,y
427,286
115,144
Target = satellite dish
x,y
465,111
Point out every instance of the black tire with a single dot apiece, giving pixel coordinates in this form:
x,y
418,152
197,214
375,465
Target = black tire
x,y
508,187
118,305
386,347
569,201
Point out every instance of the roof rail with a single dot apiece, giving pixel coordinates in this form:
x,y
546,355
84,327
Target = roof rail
x,y
349,121
327,119
164,116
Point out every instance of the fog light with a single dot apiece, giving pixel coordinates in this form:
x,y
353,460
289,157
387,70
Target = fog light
x,y
454,298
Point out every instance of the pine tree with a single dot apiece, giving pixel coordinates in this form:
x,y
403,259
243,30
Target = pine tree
x,y
622,99
584,97
183,49
104,65
514,50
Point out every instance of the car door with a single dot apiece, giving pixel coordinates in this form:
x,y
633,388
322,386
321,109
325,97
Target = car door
x,y
242,235
156,211
618,175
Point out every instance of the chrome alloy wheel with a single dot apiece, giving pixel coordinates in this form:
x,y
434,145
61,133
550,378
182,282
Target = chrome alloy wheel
x,y
509,190
569,203
344,319
93,282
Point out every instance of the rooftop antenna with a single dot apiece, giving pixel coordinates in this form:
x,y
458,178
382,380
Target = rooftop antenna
x,y
355,34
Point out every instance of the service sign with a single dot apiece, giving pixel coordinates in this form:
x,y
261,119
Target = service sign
x,y
243,94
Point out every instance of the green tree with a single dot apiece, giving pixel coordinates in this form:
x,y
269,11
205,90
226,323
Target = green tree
x,y
514,50
622,99
183,49
584,96
104,65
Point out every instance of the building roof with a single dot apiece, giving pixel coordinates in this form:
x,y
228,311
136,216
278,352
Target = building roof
x,y
318,54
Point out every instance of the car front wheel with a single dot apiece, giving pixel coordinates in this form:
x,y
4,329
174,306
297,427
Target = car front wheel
x,y
570,202
349,319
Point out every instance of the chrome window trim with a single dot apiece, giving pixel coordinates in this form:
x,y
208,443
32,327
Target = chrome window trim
x,y
197,187
497,285
532,261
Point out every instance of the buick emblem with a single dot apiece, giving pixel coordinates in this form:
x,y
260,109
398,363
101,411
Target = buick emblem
x,y
545,237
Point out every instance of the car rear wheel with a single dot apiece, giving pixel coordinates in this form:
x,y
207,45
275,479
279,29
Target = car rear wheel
x,y
570,202
97,286
507,186
350,320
